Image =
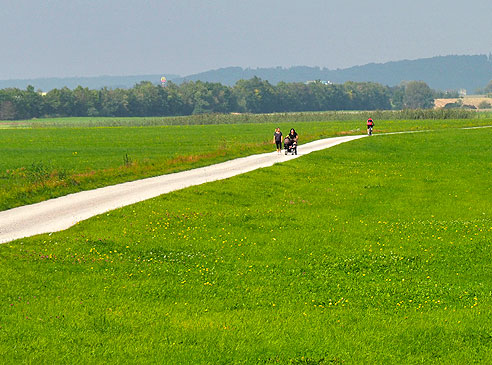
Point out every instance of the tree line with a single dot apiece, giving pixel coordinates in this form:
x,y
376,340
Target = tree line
x,y
246,96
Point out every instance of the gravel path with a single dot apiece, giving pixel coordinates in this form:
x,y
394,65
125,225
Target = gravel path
x,y
61,213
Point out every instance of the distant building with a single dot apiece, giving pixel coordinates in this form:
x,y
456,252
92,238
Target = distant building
x,y
319,81
462,93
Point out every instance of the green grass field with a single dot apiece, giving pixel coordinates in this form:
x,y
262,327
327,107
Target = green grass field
x,y
375,251
41,163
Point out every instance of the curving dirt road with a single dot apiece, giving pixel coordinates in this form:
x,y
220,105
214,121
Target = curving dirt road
x,y
61,213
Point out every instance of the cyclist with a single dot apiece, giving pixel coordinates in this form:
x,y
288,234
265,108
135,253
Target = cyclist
x,y
370,125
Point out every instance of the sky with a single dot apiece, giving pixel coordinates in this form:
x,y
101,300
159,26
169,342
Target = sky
x,y
75,38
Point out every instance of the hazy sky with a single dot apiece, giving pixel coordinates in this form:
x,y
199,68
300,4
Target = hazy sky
x,y
45,38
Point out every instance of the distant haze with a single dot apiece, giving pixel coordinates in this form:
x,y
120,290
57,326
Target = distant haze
x,y
60,38
442,73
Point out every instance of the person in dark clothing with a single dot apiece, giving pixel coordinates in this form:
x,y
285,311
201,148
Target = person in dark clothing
x,y
291,141
277,139
293,136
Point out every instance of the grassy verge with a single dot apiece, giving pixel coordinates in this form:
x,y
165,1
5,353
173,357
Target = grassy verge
x,y
376,251
42,163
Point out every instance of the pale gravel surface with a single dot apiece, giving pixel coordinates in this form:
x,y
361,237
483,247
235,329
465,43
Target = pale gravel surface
x,y
61,213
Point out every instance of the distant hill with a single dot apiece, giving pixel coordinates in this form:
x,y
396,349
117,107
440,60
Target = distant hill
x,y
96,82
440,73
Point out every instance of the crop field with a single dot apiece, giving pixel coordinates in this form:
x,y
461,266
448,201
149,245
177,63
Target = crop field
x,y
375,251
235,118
46,162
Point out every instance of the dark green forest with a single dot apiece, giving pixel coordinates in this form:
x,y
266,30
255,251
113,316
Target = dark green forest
x,y
196,97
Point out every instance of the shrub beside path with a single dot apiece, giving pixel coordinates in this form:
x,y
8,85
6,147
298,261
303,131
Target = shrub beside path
x,y
61,213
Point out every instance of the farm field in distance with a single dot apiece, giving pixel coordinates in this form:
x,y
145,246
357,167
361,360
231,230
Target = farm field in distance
x,y
51,158
374,251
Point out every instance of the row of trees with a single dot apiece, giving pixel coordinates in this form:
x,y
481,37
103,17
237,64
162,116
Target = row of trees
x,y
246,96
487,90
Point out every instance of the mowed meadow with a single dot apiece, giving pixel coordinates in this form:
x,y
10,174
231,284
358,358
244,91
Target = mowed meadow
x,y
374,251
46,159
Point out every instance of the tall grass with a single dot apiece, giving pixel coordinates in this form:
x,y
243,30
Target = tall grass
x,y
206,119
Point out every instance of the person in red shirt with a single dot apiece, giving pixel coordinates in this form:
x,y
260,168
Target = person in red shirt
x,y
370,125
